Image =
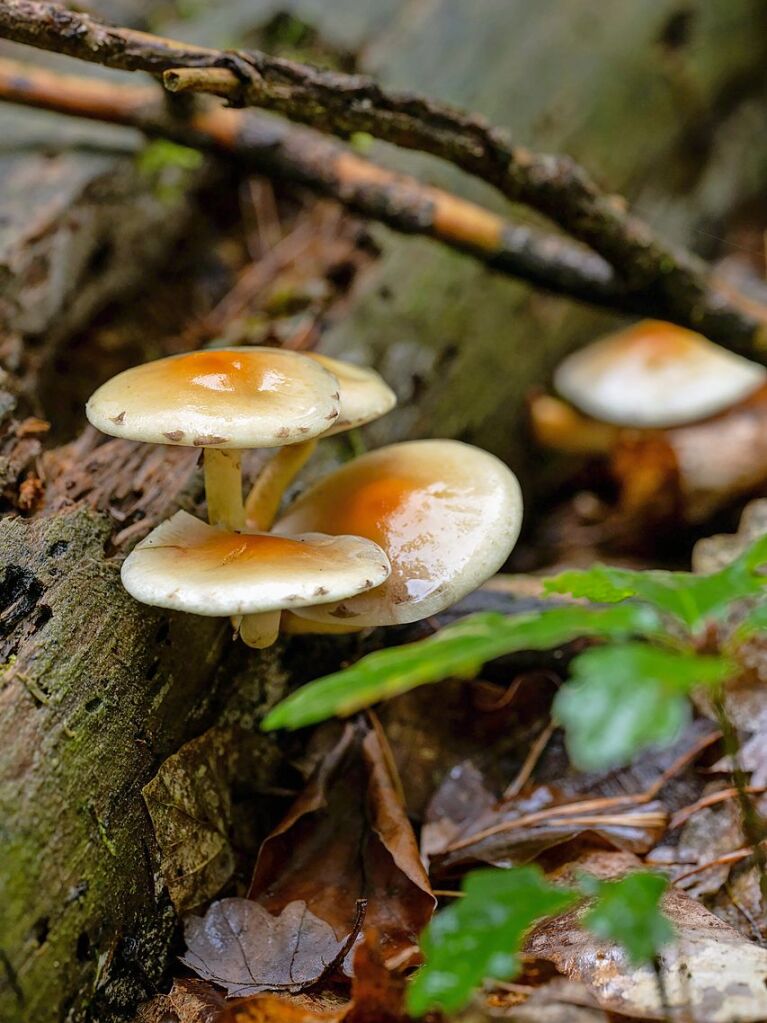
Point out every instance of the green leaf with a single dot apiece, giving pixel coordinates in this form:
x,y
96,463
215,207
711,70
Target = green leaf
x,y
478,937
625,697
161,154
457,650
691,599
628,912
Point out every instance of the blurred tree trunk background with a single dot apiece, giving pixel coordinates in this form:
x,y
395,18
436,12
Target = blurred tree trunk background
x,y
665,102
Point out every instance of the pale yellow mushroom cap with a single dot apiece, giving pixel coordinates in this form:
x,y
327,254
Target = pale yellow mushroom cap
x,y
446,514
655,375
220,398
365,396
186,565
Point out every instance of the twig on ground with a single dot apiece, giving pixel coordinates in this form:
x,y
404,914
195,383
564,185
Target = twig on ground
x,y
533,756
736,856
711,800
345,104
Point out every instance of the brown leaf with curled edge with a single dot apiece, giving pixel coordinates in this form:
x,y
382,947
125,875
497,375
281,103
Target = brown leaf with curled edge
x,y
243,948
711,971
378,994
347,839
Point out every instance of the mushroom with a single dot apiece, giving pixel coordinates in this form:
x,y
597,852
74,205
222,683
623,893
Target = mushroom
x,y
187,565
446,514
679,419
222,400
656,375
363,396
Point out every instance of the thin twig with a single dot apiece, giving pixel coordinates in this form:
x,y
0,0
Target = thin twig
x,y
345,104
710,800
567,815
533,756
726,858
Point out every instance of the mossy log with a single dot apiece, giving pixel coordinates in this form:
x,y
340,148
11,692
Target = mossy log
x,y
662,100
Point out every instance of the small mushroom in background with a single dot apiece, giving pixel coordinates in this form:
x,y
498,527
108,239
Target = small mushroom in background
x,y
223,401
446,514
682,422
185,564
363,396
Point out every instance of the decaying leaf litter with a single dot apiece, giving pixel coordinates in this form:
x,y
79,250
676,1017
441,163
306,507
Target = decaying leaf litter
x,y
312,908
211,820
327,926
485,781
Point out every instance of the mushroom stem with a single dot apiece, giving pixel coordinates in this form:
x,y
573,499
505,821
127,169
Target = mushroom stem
x,y
260,630
223,487
292,625
264,499
558,425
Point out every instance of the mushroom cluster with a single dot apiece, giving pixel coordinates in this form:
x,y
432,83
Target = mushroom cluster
x,y
678,418
394,536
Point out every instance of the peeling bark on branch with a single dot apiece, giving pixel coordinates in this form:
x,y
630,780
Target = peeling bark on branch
x,y
344,104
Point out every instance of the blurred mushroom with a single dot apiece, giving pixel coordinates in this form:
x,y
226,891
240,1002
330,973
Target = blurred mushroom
x,y
446,514
681,421
655,375
187,565
363,396
221,400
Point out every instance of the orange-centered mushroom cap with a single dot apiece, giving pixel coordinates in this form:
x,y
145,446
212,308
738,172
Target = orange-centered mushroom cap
x,y
220,398
655,374
446,514
365,396
186,565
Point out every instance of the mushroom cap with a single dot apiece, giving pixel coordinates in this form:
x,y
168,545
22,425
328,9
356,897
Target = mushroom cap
x,y
365,395
446,514
186,565
221,398
655,374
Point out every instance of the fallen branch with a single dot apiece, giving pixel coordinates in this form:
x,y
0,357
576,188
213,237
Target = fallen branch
x,y
304,156
344,104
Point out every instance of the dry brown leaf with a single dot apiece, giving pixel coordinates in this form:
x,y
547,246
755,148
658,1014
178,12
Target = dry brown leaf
x,y
347,841
711,967
377,997
189,801
245,949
